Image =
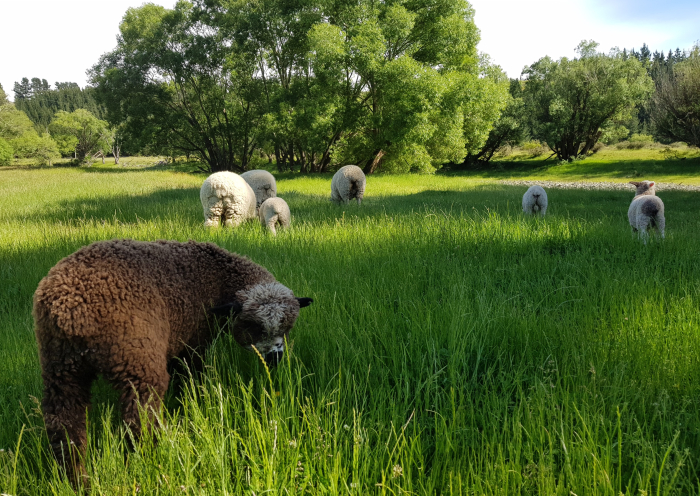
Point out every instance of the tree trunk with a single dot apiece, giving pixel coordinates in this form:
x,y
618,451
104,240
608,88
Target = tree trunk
x,y
372,166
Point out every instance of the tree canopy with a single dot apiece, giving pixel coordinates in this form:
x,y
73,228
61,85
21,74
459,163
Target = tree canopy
x,y
88,133
315,84
676,103
570,101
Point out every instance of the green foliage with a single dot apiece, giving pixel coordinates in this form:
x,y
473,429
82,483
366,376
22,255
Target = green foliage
x,y
641,138
89,133
676,103
571,102
42,105
316,84
6,152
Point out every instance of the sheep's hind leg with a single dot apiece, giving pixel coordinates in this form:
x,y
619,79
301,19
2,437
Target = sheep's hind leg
x,y
212,214
271,222
64,404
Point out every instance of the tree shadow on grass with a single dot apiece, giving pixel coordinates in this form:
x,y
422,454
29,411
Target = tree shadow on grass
x,y
632,169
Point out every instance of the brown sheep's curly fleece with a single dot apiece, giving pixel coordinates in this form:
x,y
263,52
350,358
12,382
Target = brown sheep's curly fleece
x,y
123,309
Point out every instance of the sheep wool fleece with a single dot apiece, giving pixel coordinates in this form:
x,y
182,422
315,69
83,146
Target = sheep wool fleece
x,y
348,183
263,184
124,308
275,212
646,209
227,195
535,200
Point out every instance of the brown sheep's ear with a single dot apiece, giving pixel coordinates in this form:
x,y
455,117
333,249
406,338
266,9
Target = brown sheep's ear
x,y
305,302
227,309
634,183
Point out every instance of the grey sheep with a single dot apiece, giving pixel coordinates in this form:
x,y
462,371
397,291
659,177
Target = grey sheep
x,y
226,195
348,183
263,184
535,200
124,309
275,212
646,210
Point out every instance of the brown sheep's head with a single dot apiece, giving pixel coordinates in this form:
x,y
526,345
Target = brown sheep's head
x,y
262,316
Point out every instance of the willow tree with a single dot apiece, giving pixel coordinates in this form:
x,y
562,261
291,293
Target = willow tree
x,y
571,101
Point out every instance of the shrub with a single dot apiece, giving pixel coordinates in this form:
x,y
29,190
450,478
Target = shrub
x,y
534,148
641,138
6,152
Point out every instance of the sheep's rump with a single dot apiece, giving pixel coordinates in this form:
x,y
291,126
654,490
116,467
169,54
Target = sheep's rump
x,y
262,183
228,195
647,211
535,200
274,212
348,183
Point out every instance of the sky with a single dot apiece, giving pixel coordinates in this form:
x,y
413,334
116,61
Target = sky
x,y
59,40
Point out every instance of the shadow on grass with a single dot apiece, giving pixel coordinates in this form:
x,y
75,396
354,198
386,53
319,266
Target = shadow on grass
x,y
632,169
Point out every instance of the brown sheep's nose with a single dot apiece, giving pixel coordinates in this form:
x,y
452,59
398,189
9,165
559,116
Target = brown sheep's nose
x,y
273,358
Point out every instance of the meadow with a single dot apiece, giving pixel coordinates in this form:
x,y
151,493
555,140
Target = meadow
x,y
455,346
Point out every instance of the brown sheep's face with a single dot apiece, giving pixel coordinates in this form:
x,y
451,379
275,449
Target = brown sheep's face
x,y
264,314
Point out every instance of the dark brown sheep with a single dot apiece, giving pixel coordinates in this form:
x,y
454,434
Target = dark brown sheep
x,y
125,308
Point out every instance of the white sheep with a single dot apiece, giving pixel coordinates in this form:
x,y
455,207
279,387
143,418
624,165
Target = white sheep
x,y
646,209
263,184
273,212
535,200
229,195
348,183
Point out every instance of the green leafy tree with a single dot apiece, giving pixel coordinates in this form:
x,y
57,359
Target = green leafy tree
x,y
91,133
570,102
314,83
676,102
509,130
175,85
404,74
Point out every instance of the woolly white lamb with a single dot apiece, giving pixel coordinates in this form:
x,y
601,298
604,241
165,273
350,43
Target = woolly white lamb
x,y
535,200
348,183
646,209
263,184
274,212
228,195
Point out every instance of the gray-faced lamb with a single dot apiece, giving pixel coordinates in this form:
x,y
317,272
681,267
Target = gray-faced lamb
x,y
348,183
263,184
123,309
275,212
646,210
535,200
227,195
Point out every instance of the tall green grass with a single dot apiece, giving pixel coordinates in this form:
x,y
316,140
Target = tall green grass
x,y
455,346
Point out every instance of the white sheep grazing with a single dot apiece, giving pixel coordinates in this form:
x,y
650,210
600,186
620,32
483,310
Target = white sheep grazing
x,y
535,200
646,209
273,212
348,183
263,184
225,194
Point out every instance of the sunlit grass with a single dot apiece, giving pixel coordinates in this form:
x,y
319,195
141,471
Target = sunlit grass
x,y
454,345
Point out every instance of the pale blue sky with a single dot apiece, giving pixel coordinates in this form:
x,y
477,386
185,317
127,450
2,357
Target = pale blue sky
x,y
60,40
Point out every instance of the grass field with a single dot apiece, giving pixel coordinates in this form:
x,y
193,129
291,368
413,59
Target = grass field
x,y
454,345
